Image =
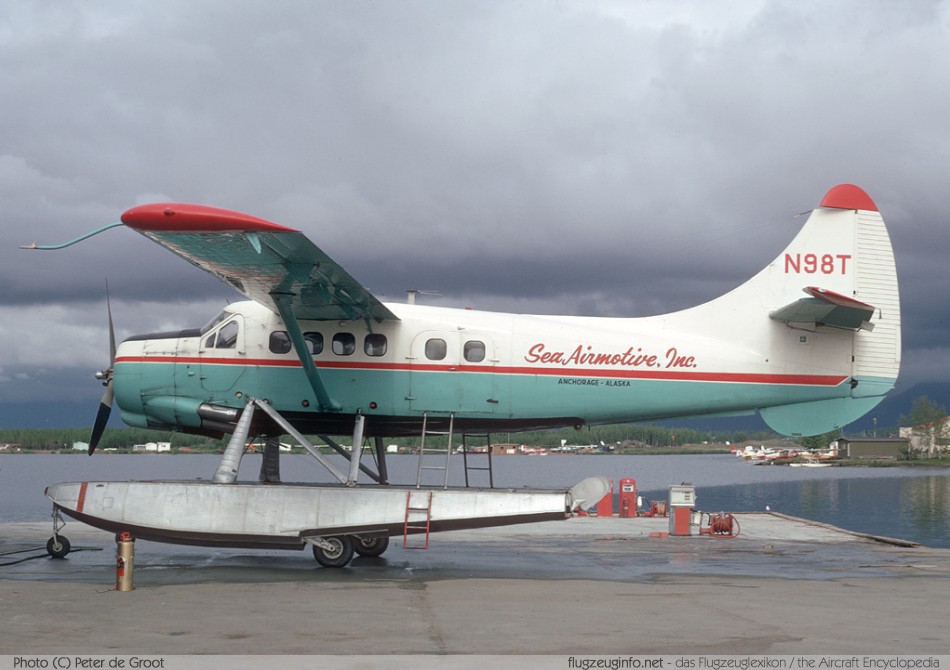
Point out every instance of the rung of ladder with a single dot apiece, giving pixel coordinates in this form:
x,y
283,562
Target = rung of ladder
x,y
467,467
421,525
422,451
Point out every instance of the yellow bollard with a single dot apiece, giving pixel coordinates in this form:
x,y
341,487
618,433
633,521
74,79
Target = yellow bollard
x,y
124,560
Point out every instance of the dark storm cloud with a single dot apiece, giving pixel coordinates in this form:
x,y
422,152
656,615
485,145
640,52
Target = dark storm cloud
x,y
587,158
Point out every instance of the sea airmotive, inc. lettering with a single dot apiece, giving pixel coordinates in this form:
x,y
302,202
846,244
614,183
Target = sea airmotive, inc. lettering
x,y
633,357
813,264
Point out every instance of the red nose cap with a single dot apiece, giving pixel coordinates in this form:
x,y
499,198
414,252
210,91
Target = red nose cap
x,y
848,196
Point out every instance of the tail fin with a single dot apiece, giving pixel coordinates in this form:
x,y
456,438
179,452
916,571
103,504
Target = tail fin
x,y
833,299
844,261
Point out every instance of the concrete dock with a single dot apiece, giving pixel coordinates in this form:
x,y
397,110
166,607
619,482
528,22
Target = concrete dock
x,y
583,586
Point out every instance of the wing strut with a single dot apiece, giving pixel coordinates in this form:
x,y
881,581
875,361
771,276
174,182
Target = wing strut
x,y
284,308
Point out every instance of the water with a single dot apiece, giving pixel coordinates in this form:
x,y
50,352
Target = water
x,y
907,503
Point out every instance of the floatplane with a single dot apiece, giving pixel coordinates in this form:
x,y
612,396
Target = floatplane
x,y
811,343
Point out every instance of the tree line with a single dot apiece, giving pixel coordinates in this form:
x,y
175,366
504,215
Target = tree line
x,y
62,439
925,418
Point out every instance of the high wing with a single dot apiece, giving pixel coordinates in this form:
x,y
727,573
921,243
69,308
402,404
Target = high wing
x,y
265,261
827,308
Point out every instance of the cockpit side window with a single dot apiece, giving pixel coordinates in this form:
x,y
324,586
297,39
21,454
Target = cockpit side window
x,y
227,336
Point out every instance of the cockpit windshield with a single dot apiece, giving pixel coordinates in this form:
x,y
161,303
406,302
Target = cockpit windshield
x,y
215,321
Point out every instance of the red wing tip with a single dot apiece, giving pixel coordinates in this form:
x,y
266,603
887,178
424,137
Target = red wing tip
x,y
848,196
188,218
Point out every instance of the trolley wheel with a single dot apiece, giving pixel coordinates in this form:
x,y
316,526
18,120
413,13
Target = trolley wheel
x,y
57,546
339,553
371,546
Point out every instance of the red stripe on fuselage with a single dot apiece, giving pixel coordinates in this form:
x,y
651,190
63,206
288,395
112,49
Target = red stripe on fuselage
x,y
660,375
82,496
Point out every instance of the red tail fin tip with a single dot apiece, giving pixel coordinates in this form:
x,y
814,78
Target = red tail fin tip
x,y
848,196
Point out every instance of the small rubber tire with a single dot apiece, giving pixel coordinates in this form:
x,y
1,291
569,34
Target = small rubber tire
x,y
338,555
371,547
57,546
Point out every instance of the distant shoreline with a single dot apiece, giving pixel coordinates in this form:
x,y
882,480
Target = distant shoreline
x,y
935,464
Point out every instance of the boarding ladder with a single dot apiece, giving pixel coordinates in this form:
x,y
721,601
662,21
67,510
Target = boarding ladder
x,y
418,518
422,451
469,467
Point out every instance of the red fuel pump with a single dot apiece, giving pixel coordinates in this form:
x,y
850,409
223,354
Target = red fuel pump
x,y
629,501
682,499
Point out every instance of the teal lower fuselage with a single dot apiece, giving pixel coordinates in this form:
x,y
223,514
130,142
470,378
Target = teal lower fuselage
x,y
525,372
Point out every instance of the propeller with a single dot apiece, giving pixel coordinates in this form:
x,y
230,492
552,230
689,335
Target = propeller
x,y
105,376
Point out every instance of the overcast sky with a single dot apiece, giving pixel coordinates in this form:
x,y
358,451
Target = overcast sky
x,y
582,157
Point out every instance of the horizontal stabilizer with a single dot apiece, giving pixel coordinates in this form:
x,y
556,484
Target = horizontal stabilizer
x,y
827,308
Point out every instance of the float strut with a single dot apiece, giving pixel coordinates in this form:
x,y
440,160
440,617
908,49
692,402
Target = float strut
x,y
231,460
357,452
270,465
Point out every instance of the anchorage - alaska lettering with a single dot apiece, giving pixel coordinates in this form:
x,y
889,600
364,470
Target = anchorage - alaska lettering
x,y
581,381
632,358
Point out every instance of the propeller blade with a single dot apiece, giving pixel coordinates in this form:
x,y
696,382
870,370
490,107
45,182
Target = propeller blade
x,y
105,404
111,329
102,418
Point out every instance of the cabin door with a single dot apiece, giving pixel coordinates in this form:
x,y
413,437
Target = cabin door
x,y
433,372
454,371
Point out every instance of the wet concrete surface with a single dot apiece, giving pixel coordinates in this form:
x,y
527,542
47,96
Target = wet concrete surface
x,y
579,548
585,585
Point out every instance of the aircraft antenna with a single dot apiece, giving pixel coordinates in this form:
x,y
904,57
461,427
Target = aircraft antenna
x,y
413,292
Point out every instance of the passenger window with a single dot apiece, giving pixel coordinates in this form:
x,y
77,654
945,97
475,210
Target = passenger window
x,y
280,342
374,344
314,342
344,344
474,351
436,349
227,336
